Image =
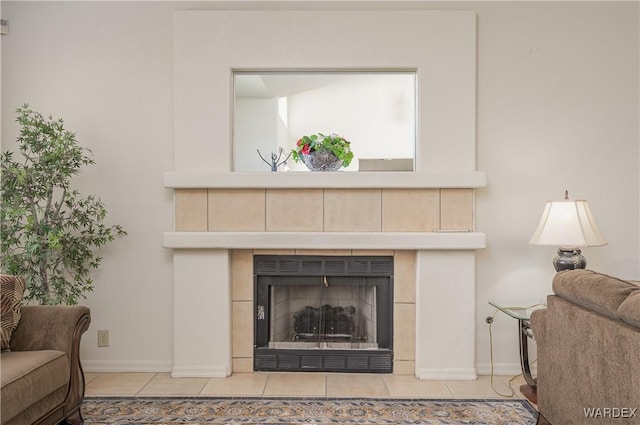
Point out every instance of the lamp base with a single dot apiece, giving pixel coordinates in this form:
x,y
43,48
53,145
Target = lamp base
x,y
569,259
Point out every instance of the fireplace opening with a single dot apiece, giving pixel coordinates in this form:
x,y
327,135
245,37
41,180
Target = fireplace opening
x,y
331,314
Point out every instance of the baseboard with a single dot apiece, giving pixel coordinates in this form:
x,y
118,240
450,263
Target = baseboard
x,y
448,374
200,372
125,366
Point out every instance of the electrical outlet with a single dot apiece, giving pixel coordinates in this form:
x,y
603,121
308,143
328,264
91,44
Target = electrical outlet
x,y
103,337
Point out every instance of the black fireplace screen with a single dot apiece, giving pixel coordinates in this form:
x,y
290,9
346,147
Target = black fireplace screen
x,y
339,304
325,323
325,312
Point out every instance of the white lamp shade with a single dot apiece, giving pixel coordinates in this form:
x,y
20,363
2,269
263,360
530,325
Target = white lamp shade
x,y
567,224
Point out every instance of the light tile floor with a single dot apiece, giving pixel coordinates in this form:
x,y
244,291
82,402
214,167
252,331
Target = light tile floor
x,y
263,384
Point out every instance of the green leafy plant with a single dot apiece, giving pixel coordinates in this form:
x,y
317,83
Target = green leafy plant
x,y
332,142
48,231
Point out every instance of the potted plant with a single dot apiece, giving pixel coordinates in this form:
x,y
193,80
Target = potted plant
x,y
48,231
321,152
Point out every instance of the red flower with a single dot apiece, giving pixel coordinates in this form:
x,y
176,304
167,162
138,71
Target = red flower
x,y
306,149
299,142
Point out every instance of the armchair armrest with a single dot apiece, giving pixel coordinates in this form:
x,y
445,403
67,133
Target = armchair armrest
x,y
49,327
58,327
538,325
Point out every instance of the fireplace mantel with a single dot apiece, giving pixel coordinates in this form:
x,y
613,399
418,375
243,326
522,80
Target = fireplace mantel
x,y
326,240
308,180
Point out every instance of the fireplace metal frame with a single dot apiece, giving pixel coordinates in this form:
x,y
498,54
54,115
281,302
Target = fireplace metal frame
x,y
379,272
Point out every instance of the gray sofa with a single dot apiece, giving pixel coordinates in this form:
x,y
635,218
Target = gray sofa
x,y
42,378
588,344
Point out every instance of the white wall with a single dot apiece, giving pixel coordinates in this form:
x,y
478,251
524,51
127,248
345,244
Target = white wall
x,y
255,127
106,69
557,109
376,114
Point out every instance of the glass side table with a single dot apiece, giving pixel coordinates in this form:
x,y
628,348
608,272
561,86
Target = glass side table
x,y
523,316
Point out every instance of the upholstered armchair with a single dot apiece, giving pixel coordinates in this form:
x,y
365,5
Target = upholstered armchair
x,y
588,344
42,377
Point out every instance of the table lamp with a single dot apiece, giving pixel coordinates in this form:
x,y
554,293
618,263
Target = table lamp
x,y
569,225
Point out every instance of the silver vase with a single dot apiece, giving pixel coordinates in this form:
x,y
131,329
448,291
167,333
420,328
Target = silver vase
x,y
322,160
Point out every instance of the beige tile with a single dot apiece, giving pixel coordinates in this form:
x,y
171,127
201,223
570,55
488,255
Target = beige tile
x,y
323,252
241,275
404,276
410,386
356,385
242,328
372,252
293,384
404,367
238,384
191,210
296,384
294,210
456,209
482,387
164,385
410,210
274,252
90,376
241,210
118,384
242,365
352,210
404,330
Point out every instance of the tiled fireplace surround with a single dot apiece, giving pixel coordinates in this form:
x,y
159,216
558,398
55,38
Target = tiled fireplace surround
x,y
424,218
324,210
278,212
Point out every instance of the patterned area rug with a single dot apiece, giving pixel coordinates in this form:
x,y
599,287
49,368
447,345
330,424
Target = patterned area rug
x,y
325,411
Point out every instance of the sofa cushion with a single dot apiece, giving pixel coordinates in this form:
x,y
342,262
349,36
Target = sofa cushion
x,y
30,376
629,310
44,406
593,290
11,292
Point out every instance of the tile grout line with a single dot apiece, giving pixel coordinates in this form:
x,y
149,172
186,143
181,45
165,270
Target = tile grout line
x,y
264,387
449,389
386,387
326,386
203,387
145,384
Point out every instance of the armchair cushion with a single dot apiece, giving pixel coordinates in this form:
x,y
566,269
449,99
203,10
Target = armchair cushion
x,y
32,375
11,292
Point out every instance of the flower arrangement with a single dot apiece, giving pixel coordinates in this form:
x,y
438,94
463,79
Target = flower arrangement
x,y
338,145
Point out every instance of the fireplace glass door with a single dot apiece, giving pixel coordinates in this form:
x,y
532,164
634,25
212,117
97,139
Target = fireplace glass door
x,y
308,305
323,312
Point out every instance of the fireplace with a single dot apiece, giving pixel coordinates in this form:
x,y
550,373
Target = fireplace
x,y
423,218
317,313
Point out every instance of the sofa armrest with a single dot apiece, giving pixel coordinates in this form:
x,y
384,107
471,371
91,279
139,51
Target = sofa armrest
x,y
49,327
539,324
57,328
